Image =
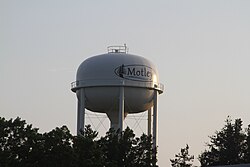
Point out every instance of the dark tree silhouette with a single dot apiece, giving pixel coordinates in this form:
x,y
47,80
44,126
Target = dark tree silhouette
x,y
21,145
127,150
183,159
247,146
226,147
87,151
57,148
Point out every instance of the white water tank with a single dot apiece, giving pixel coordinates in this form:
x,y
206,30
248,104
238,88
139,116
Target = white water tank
x,y
101,77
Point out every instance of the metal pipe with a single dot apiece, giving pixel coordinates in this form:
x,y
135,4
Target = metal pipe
x,y
155,121
81,112
121,109
149,121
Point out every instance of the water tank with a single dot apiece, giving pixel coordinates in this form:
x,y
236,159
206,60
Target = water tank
x,y
102,75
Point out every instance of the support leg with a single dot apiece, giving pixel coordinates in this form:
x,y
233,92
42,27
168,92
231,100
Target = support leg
x,y
150,121
155,122
121,108
81,112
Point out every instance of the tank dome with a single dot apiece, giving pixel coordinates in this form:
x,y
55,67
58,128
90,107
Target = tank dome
x,y
109,67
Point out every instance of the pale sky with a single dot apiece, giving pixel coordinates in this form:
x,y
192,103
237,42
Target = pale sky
x,y
201,50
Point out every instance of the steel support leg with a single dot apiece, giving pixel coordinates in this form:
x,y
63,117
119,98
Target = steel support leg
x,y
150,121
121,108
81,112
155,122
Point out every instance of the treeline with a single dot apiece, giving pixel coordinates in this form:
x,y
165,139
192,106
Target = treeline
x,y
22,145
228,146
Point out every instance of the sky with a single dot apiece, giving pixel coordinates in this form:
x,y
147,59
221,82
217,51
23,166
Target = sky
x,y
201,50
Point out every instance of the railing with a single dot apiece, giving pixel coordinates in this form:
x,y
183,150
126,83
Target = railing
x,y
118,49
160,87
93,83
74,84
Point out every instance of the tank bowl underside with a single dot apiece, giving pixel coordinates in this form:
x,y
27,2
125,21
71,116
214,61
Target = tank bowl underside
x,y
106,99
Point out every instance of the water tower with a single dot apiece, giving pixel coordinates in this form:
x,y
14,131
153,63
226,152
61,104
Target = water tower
x,y
117,83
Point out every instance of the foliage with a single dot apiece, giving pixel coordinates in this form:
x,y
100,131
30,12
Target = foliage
x,y
57,148
247,147
19,143
183,159
22,145
127,150
87,151
228,146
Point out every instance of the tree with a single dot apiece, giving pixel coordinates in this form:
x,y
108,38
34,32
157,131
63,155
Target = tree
x,y
87,151
57,148
145,151
126,150
183,159
21,145
226,147
114,152
247,147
